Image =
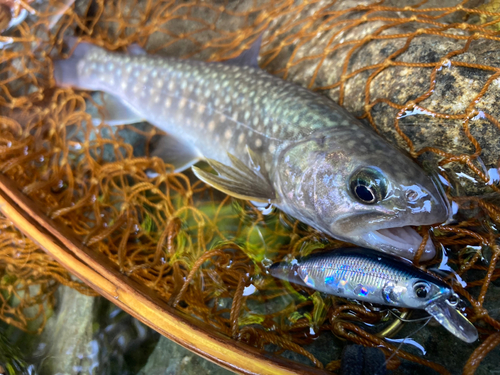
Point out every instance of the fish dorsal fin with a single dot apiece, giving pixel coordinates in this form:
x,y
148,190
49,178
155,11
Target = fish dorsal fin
x,y
249,56
115,111
177,153
238,181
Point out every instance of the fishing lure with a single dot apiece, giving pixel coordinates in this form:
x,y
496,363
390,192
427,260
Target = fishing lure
x,y
270,141
371,276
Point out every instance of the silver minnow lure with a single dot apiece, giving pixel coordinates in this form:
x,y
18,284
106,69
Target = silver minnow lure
x,y
371,276
270,141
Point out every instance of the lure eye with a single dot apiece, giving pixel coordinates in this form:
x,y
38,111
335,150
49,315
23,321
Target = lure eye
x,y
368,186
421,289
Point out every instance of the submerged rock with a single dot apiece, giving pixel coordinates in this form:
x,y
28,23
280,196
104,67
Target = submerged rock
x,y
171,358
65,346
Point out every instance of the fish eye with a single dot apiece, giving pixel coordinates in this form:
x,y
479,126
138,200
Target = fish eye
x,y
421,289
368,186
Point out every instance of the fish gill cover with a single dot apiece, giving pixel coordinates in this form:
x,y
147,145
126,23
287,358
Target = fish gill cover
x,y
425,76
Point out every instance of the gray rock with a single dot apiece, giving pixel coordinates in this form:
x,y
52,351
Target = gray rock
x,y
169,358
66,342
455,87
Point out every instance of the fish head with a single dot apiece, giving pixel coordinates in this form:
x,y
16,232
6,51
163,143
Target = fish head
x,y
437,299
415,293
360,194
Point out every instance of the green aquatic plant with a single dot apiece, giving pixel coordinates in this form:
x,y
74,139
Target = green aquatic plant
x,y
11,358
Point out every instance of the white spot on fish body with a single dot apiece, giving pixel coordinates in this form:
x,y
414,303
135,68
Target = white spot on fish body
x,y
171,85
159,83
201,108
168,102
222,118
258,142
275,128
228,133
241,137
247,115
211,126
272,148
255,121
182,103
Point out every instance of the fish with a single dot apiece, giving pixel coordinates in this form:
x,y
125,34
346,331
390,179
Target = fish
x,y
371,276
270,141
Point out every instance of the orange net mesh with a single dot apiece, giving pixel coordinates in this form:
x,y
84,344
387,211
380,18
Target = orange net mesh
x,y
201,250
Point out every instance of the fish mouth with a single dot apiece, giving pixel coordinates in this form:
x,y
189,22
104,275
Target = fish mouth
x,y
400,241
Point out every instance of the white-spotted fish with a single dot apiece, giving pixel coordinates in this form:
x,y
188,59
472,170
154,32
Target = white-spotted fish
x,y
374,277
270,141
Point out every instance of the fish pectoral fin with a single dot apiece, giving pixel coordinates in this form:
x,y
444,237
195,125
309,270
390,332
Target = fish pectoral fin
x,y
114,112
239,182
175,152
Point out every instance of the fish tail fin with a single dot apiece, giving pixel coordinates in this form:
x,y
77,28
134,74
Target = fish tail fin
x,y
66,71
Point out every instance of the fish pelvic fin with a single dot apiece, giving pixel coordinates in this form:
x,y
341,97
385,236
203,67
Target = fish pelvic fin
x,y
114,111
238,181
176,153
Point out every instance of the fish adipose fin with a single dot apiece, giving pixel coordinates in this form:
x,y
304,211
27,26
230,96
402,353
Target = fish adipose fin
x,y
239,182
176,153
115,112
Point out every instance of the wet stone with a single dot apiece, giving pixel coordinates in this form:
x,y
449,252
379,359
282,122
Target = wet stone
x,y
454,92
